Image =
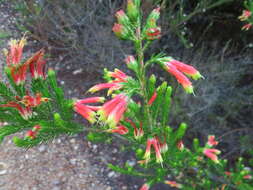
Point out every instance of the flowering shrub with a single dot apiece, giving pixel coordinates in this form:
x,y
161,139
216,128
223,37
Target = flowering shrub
x,y
33,103
137,111
247,15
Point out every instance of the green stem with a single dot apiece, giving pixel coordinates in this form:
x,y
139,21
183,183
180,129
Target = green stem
x,y
142,76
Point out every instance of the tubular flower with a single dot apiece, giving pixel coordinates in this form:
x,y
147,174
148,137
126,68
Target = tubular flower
x,y
173,184
245,15
121,129
98,87
120,31
36,128
30,101
181,78
138,133
247,26
153,33
18,73
112,111
211,141
119,76
37,68
85,110
37,65
152,99
25,112
92,100
212,154
155,143
186,69
145,186
13,57
122,18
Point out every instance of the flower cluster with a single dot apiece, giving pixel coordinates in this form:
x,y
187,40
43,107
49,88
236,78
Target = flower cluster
x,y
22,100
110,112
18,69
180,71
211,152
246,16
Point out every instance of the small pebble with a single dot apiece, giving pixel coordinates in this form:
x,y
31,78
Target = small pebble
x,y
73,161
3,168
111,174
77,71
42,148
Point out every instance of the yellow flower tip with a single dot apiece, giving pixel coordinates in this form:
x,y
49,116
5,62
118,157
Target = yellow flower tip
x,y
92,90
111,122
101,99
197,76
91,120
45,99
110,91
189,89
22,42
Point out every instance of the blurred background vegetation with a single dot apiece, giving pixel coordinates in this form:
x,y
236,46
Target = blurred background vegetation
x,y
203,33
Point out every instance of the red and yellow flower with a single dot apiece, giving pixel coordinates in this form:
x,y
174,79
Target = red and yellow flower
x,y
138,132
13,57
112,111
153,142
121,129
87,111
25,112
30,101
173,184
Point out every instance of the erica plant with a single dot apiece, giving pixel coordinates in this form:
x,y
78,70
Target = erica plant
x,y
136,109
30,99
247,15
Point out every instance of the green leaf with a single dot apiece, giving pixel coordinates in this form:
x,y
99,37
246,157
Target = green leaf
x,y
166,106
151,85
156,107
180,132
8,130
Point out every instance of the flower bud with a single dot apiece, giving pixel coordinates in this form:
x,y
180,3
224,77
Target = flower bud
x,y
152,18
120,31
131,63
132,10
58,120
122,18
